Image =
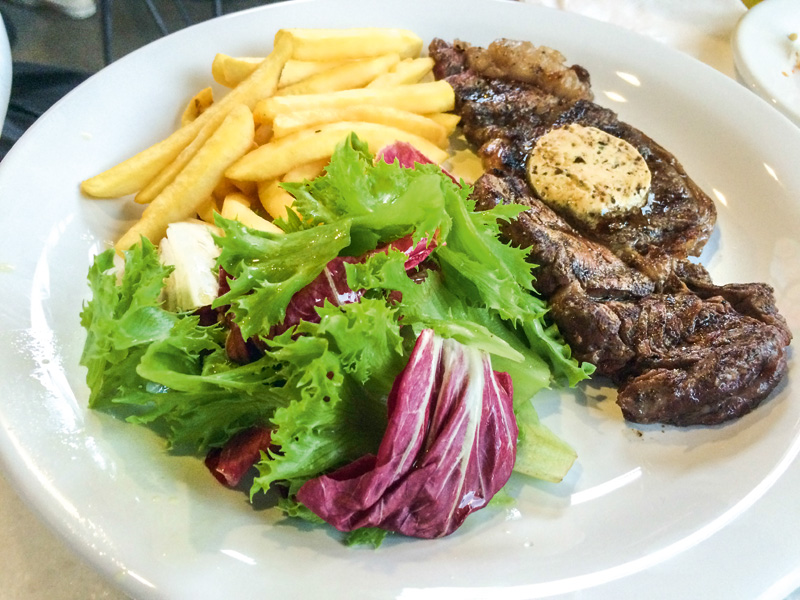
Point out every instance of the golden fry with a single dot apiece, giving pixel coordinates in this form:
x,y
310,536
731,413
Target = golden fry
x,y
348,75
310,170
341,44
231,71
275,200
263,134
418,98
197,105
268,76
447,120
276,158
130,175
297,70
207,209
288,123
237,207
407,72
196,182
134,173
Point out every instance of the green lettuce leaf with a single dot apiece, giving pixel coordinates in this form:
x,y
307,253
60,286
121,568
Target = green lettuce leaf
x,y
337,374
120,321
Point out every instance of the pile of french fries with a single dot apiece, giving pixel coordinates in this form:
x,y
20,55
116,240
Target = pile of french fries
x,y
281,121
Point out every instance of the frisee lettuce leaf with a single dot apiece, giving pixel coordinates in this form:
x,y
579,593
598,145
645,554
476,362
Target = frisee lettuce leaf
x,y
164,369
337,372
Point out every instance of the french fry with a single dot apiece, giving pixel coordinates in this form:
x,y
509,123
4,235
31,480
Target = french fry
x,y
237,207
348,75
207,209
418,98
231,71
411,70
196,182
275,200
268,77
297,70
133,174
223,188
130,175
309,170
157,184
248,188
447,120
197,105
288,123
272,160
341,44
263,134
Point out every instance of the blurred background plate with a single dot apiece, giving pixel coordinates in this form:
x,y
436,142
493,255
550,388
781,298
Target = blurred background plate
x,y
767,60
5,71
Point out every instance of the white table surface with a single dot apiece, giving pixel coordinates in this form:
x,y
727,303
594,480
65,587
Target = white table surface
x,y
36,564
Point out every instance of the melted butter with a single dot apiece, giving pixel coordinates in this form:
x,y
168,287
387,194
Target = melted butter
x,y
588,172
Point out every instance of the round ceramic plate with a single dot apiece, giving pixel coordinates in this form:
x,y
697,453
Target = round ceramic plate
x,y
658,511
766,58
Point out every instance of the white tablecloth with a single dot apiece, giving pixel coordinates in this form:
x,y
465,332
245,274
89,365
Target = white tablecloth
x,y
35,564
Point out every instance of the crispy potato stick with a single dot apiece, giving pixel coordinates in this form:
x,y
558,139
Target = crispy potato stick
x,y
130,175
207,209
289,123
348,75
275,200
230,71
276,158
309,170
134,173
411,70
195,183
418,98
157,184
197,105
223,188
446,120
297,70
340,44
248,188
237,207
263,134
268,87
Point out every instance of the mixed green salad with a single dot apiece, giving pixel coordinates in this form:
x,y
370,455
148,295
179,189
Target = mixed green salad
x,y
375,361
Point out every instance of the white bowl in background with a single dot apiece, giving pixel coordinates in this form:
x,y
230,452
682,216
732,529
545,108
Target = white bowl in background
x,y
5,72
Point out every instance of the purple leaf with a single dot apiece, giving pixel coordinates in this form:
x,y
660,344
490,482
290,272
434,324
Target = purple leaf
x,y
229,463
405,154
450,446
331,284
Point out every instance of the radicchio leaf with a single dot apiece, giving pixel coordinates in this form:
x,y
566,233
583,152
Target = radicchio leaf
x,y
229,463
449,447
407,156
331,284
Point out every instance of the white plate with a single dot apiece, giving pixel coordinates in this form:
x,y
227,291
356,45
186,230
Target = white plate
x,y
665,512
765,57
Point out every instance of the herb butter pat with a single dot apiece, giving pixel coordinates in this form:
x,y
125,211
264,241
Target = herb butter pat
x,y
588,173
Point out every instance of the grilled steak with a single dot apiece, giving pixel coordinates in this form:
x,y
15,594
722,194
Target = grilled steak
x,y
693,353
504,113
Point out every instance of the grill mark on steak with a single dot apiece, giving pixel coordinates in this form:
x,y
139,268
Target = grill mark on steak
x,y
504,118
692,353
